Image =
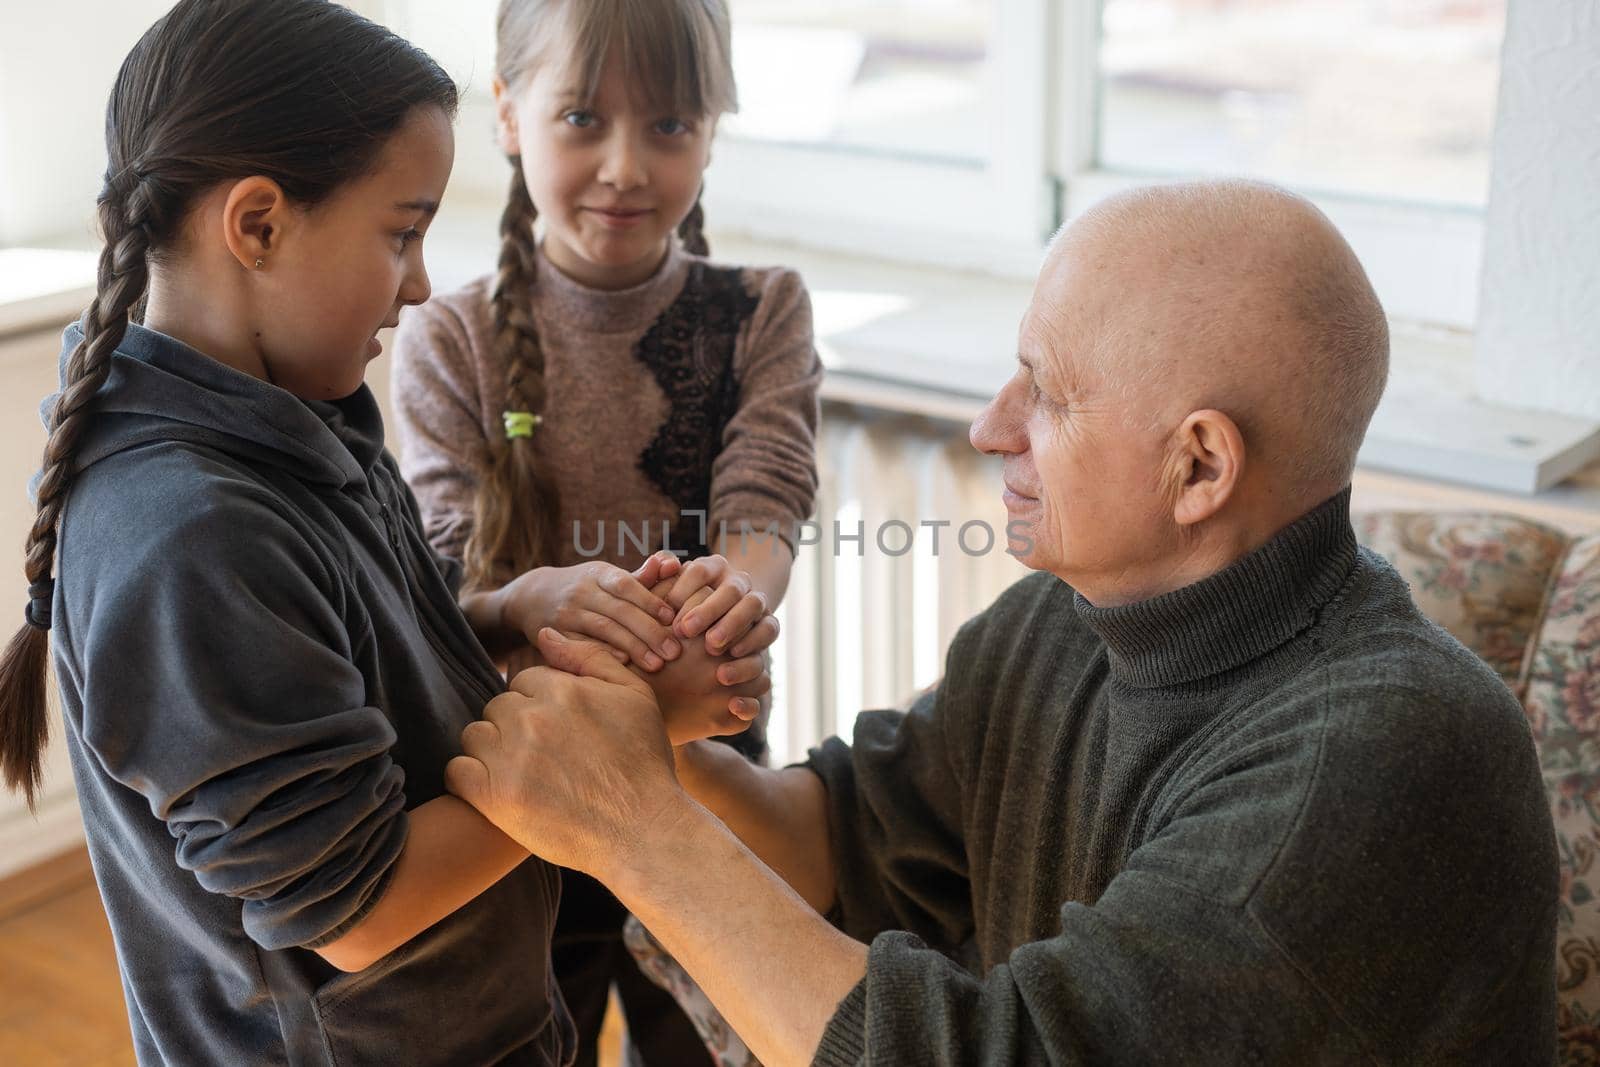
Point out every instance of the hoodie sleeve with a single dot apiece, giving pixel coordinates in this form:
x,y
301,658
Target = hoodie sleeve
x,y
209,646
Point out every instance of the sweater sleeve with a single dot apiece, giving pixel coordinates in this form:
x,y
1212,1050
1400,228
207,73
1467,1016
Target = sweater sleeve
x,y
1197,952
217,682
766,472
437,406
894,820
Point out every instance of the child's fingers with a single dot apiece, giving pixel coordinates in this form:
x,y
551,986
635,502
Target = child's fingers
x,y
750,609
719,603
744,699
642,626
610,631
626,587
659,567
760,637
698,574
586,659
741,671
693,602
745,709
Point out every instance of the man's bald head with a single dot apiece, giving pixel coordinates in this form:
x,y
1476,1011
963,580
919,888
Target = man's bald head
x,y
1232,295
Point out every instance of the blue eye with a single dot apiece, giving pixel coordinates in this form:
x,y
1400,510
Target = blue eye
x,y
579,119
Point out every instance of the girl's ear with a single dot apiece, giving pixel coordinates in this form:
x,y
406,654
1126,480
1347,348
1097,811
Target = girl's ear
x,y
505,119
255,217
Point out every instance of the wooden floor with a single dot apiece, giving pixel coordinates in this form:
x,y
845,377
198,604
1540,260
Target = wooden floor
x,y
60,998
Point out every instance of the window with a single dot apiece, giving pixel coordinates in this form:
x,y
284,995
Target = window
x,y
902,78
917,126
961,133
1382,111
1393,101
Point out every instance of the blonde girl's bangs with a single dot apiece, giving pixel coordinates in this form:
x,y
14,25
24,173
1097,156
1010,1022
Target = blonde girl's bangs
x,y
678,52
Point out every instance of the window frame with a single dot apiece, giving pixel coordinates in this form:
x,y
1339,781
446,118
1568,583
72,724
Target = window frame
x,y
913,209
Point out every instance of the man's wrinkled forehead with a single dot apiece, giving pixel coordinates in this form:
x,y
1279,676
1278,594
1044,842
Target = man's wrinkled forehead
x,y
1064,334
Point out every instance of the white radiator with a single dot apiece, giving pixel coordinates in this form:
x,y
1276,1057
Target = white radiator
x,y
866,623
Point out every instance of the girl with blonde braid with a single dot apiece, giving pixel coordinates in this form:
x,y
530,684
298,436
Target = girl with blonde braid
x,y
610,392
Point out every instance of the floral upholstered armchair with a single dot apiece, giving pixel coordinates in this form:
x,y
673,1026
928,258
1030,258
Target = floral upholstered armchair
x,y
1526,598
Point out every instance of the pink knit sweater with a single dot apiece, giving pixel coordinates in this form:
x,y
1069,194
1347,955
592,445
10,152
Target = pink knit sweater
x,y
694,391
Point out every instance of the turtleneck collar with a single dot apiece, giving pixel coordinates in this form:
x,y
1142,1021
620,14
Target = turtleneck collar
x,y
628,310
1237,615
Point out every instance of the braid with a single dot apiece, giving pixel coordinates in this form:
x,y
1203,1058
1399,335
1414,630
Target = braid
x,y
692,230
124,276
517,502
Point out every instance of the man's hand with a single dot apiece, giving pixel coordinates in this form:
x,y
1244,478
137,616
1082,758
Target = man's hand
x,y
573,763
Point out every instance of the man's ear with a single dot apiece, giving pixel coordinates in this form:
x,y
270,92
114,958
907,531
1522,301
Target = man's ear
x,y
255,218
505,118
1211,462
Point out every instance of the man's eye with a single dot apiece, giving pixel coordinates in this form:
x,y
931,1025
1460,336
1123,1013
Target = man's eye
x,y
579,119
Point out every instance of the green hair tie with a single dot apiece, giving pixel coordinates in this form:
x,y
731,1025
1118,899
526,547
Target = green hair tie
x,y
521,423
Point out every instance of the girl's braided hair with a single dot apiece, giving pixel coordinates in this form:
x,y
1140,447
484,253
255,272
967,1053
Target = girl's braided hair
x,y
304,92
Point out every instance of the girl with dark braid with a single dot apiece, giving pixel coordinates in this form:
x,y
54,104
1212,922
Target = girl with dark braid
x,y
609,392
262,663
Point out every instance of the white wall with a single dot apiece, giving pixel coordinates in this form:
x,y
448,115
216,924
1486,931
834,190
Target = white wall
x,y
27,375
58,59
57,62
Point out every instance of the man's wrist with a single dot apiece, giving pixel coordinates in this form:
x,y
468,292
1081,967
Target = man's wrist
x,y
665,840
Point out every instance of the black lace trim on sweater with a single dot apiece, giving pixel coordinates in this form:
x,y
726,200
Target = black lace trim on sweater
x,y
690,350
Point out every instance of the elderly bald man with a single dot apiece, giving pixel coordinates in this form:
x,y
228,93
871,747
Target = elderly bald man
x,y
1208,788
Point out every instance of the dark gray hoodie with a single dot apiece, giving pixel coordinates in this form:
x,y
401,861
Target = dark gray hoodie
x,y
262,667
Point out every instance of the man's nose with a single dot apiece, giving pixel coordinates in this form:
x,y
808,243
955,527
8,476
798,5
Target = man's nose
x,y
996,429
623,167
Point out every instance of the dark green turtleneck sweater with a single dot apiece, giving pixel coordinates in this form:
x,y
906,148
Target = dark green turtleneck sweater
x,y
1276,816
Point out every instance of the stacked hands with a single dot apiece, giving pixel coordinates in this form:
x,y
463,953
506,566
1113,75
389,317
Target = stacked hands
x,y
696,633
576,761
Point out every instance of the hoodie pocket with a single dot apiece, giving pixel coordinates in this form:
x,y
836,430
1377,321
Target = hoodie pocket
x,y
471,990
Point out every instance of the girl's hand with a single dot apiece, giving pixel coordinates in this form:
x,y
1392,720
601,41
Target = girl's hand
x,y
601,602
696,702
738,667
714,598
